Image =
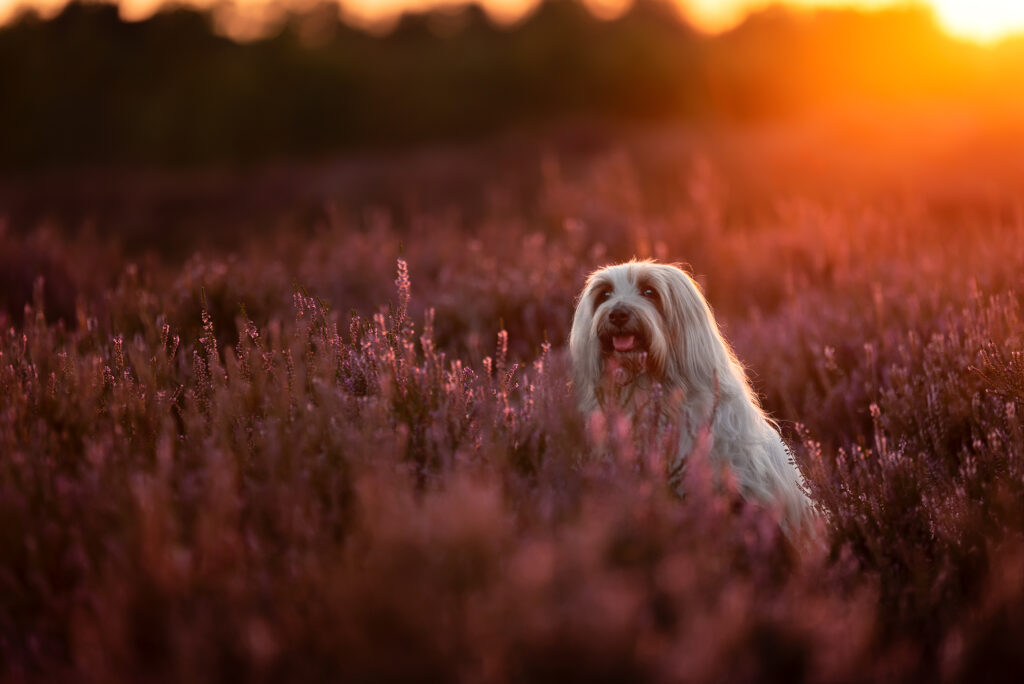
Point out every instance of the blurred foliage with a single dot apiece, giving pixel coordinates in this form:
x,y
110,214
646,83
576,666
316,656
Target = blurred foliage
x,y
209,473
86,86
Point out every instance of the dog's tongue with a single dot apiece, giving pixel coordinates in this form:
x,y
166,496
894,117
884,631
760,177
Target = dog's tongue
x,y
623,342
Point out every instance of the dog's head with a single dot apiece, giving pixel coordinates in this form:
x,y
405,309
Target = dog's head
x,y
645,318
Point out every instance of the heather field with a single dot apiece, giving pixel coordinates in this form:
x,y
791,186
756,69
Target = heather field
x,y
319,426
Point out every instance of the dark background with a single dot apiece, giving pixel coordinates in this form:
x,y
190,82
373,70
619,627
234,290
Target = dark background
x,y
88,88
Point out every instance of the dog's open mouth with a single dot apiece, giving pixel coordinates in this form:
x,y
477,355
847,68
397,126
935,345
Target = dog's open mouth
x,y
625,355
623,343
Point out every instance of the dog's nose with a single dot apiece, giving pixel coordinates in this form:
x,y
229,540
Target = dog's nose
x,y
619,317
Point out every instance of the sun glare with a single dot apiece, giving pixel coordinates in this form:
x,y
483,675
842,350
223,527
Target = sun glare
x,y
981,20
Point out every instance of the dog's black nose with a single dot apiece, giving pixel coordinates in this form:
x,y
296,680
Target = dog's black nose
x,y
619,317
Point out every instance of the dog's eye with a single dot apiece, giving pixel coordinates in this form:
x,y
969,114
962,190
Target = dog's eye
x,y
650,293
605,294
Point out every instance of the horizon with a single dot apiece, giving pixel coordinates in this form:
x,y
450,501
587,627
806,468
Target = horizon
x,y
978,21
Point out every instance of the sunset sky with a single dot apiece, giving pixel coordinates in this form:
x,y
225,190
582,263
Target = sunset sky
x,y
979,20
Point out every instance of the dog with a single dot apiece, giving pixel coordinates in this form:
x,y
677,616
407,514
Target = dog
x,y
643,329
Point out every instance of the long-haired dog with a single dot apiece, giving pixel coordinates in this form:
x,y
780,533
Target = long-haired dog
x,y
641,325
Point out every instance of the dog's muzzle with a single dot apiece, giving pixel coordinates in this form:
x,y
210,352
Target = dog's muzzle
x,y
622,334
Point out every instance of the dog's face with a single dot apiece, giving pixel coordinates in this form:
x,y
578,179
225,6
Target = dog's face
x,y
644,318
625,307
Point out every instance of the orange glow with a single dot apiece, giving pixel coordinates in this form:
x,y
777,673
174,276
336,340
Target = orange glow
x,y
979,20
714,16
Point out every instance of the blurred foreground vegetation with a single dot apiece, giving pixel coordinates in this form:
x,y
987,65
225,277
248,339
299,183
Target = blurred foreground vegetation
x,y
347,448
311,420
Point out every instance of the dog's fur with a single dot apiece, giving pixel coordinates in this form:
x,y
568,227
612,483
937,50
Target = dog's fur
x,y
644,324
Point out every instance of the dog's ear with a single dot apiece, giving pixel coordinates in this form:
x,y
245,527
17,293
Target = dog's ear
x,y
697,354
584,347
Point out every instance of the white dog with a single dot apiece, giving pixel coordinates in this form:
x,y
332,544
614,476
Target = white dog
x,y
641,323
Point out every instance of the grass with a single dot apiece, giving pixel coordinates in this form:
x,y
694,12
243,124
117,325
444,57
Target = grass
x,y
352,453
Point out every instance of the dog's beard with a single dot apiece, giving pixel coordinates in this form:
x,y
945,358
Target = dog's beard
x,y
623,369
624,357
626,367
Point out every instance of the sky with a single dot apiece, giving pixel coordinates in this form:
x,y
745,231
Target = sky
x,y
978,20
